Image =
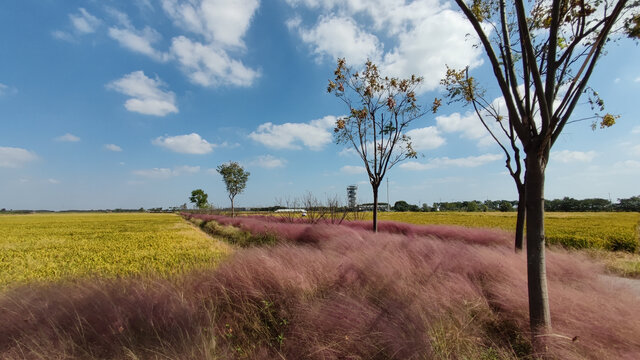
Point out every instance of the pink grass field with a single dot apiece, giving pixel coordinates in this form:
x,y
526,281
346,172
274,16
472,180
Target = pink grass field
x,y
332,292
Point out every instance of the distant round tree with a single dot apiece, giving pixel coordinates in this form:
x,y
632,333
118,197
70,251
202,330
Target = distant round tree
x,y
401,206
199,198
505,206
235,178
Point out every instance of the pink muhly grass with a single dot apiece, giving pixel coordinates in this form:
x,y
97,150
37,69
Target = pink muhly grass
x,y
335,292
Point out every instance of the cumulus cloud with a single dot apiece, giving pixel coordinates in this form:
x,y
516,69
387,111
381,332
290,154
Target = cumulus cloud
x,y
269,162
13,157
67,138
209,65
147,95
113,147
405,24
467,162
636,130
220,26
336,37
223,22
567,156
353,170
165,173
448,44
468,125
427,138
313,135
185,144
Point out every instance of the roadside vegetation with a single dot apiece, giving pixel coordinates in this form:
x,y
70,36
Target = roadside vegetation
x,y
327,291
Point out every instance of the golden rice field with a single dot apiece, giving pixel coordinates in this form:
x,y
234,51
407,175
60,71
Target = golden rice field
x,y
598,230
45,247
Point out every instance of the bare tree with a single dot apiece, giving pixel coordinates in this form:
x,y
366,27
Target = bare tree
x,y
542,57
380,110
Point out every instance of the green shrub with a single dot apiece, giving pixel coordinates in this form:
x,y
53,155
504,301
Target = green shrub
x,y
237,236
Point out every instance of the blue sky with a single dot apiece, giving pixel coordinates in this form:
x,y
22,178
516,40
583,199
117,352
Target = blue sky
x,y
107,104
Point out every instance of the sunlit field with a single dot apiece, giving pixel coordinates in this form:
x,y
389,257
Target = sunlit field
x,y
598,230
45,247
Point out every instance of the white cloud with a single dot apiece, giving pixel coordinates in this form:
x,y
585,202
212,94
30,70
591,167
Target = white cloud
x,y
348,152
313,135
426,138
467,162
147,95
185,144
61,35
208,65
635,150
221,22
140,41
53,181
353,170
67,138
13,157
185,169
636,130
425,35
83,22
567,156
468,125
637,79
6,89
165,173
448,44
269,162
113,147
336,37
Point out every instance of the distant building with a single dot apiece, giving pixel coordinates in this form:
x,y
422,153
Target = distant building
x,y
369,207
302,212
351,195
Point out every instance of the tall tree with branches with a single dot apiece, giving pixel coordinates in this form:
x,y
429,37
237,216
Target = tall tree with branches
x,y
542,55
380,110
235,179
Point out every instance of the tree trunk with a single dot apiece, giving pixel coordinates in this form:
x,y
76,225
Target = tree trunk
x,y
233,211
375,207
520,218
539,316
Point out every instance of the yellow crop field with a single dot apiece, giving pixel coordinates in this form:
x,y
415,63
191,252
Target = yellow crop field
x,y
45,247
599,230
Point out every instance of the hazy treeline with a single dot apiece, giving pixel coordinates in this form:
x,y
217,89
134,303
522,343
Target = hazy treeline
x,y
566,204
